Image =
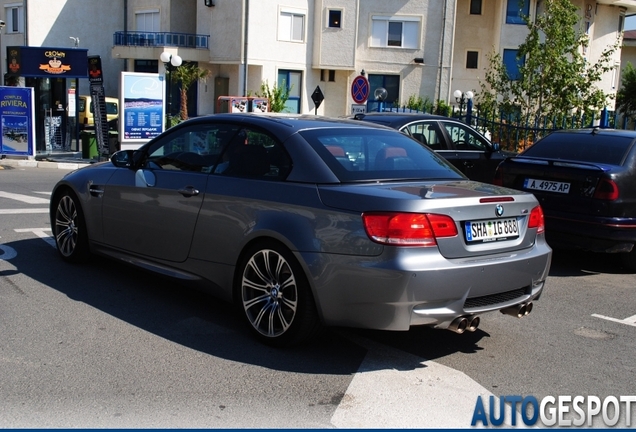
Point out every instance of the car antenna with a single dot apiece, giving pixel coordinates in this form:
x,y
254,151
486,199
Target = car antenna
x,y
358,116
595,130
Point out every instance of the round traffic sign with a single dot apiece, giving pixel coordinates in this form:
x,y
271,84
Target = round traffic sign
x,y
360,89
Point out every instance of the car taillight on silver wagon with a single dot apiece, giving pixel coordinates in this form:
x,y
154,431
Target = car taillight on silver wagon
x,y
408,229
537,220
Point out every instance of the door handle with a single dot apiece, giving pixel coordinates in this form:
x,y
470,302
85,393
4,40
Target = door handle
x,y
189,191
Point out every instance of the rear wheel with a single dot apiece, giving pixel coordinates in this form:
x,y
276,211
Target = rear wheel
x,y
629,260
275,297
69,229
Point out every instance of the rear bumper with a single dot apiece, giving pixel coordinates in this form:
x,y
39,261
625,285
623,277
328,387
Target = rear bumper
x,y
406,287
597,234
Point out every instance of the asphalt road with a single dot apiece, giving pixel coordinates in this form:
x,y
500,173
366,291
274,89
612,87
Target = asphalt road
x,y
105,345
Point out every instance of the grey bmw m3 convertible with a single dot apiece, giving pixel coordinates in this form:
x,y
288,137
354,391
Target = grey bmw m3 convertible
x,y
306,221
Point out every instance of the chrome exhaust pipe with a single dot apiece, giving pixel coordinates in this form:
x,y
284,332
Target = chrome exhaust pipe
x,y
529,307
458,325
473,324
519,310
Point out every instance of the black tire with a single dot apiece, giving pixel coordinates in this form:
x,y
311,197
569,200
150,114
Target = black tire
x,y
69,229
274,296
629,260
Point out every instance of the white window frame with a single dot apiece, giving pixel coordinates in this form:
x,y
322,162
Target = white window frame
x,y
288,22
156,20
9,21
411,31
341,17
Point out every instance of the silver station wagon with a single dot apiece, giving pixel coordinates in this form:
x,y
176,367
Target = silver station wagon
x,y
304,221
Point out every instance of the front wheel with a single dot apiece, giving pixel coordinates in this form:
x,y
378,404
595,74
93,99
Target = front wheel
x,y
69,229
275,297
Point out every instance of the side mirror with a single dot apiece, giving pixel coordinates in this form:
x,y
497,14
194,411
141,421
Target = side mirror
x,y
122,158
496,147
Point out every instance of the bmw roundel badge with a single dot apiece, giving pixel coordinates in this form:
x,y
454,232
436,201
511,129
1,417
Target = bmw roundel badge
x,y
499,210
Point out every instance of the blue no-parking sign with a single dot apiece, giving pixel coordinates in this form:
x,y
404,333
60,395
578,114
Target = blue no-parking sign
x,y
360,89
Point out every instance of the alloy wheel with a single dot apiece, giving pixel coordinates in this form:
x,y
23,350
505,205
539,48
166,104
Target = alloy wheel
x,y
269,293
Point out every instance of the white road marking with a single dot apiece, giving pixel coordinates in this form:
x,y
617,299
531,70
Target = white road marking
x,y
630,321
40,232
43,193
24,211
393,389
23,198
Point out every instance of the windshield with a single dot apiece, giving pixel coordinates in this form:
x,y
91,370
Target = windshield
x,y
370,154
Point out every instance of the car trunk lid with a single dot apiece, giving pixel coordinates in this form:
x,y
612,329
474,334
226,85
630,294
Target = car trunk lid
x,y
489,219
559,185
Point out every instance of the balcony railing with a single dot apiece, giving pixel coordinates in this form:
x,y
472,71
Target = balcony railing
x,y
160,39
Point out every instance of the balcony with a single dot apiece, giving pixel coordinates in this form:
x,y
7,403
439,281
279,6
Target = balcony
x,y
161,39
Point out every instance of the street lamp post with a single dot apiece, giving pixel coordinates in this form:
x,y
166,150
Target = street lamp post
x,y
463,99
171,63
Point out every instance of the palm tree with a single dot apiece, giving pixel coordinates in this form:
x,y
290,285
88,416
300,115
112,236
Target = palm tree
x,y
187,75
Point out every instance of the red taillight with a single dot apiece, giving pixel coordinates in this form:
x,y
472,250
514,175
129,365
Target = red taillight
x,y
408,229
536,220
606,189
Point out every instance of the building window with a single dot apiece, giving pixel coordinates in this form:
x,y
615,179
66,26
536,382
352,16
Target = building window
x,y
14,14
390,82
516,10
621,21
147,66
403,32
472,60
331,73
475,7
147,21
292,81
335,18
291,27
512,63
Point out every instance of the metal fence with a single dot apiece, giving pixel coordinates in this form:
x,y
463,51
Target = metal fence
x,y
515,132
160,39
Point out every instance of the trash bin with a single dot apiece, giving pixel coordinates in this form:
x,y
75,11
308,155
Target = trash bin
x,y
90,149
113,142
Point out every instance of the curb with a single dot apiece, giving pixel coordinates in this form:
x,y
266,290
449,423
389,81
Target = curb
x,y
43,164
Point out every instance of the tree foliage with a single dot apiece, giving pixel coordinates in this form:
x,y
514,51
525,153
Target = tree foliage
x,y
186,75
626,96
277,96
554,78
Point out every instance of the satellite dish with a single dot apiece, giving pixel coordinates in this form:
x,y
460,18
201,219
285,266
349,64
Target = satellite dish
x,y
380,94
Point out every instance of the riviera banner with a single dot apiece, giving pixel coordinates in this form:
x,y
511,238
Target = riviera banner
x,y
17,111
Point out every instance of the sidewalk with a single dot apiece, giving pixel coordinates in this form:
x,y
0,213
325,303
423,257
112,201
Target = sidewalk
x,y
64,160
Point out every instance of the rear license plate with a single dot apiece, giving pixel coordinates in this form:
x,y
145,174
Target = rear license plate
x,y
491,230
546,185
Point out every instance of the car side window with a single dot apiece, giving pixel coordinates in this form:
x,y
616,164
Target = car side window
x,y
254,154
464,138
427,133
196,148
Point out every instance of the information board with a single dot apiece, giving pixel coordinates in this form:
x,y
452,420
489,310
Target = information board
x,y
142,108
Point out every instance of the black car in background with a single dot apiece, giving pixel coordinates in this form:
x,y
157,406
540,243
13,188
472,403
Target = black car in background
x,y
585,180
460,144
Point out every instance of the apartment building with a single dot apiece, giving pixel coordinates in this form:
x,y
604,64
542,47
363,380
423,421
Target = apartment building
x,y
420,48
